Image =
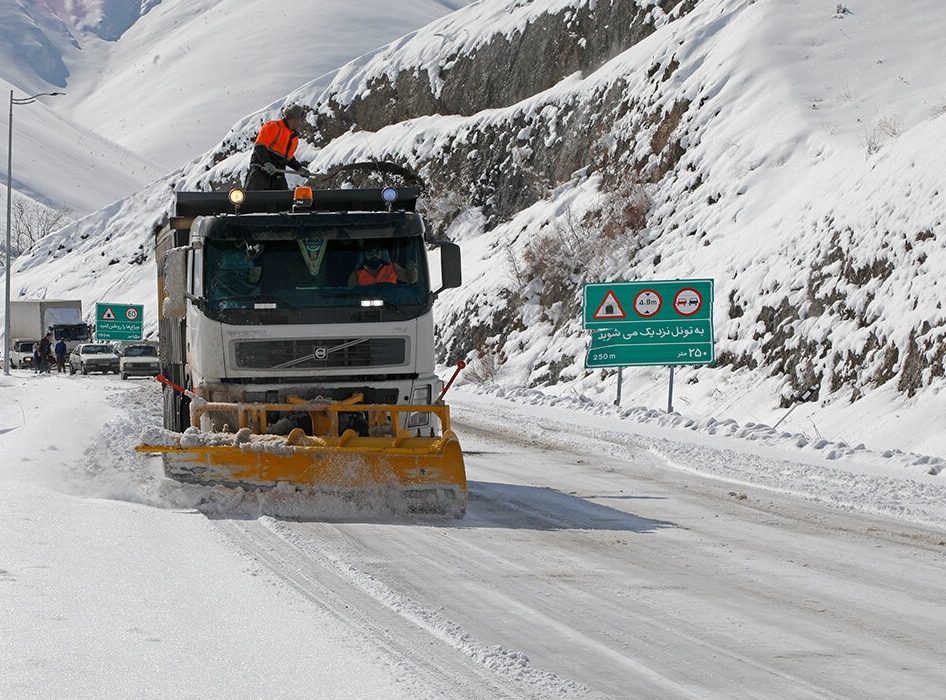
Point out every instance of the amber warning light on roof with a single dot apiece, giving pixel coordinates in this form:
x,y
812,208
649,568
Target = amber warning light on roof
x,y
302,197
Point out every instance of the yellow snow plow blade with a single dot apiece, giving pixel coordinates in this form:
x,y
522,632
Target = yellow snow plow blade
x,y
421,474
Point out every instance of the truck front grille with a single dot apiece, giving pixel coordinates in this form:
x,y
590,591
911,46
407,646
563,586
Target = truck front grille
x,y
321,353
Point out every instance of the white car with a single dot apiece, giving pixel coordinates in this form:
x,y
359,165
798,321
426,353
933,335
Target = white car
x,y
21,354
139,360
93,357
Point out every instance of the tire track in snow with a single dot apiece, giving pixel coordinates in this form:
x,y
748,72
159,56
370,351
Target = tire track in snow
x,y
425,640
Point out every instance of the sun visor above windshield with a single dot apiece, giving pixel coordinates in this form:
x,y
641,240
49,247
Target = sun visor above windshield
x,y
191,204
296,226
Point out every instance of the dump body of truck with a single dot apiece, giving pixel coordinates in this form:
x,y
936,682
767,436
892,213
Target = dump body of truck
x,y
61,317
284,364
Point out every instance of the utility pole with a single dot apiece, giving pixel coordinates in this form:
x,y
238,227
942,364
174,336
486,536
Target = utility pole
x,y
6,307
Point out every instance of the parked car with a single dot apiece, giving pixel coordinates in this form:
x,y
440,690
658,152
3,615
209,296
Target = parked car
x,y
93,357
21,354
139,360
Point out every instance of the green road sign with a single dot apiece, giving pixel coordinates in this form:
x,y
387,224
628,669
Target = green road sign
x,y
649,323
118,321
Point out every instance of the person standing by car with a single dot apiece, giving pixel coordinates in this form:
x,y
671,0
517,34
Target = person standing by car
x,y
45,350
35,357
61,356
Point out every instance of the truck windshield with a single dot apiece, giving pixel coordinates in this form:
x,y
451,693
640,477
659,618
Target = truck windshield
x,y
315,273
78,331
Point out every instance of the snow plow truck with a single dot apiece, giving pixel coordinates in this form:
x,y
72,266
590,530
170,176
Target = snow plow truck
x,y
291,356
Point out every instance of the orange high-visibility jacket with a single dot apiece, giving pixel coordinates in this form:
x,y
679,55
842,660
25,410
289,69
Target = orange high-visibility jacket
x,y
278,138
385,274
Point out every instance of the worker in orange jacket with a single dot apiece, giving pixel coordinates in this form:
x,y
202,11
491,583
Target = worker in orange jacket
x,y
375,267
274,151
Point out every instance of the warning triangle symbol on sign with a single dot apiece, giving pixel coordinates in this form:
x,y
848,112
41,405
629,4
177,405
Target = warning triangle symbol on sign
x,y
609,308
109,315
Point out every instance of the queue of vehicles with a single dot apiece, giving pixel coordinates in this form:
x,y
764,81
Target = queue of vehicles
x,y
31,320
127,360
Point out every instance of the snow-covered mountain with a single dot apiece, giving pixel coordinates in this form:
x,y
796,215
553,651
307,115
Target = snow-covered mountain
x,y
151,84
61,164
791,152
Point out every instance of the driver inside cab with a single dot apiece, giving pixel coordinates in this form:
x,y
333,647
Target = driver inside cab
x,y
377,268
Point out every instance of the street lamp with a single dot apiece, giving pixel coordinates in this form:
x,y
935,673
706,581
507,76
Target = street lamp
x,y
6,308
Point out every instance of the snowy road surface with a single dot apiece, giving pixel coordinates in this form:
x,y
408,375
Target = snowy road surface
x,y
586,567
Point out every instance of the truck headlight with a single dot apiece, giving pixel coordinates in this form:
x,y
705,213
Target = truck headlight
x,y
419,397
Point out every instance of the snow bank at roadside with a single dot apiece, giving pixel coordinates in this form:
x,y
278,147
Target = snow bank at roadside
x,y
758,433
892,483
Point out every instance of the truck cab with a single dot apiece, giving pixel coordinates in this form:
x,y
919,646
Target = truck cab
x,y
283,302
74,334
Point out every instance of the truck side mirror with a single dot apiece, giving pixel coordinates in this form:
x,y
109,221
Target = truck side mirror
x,y
174,304
451,275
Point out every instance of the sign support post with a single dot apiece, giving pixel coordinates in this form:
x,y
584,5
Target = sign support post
x,y
670,394
659,322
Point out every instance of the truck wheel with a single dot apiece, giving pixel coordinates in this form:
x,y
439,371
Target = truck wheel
x,y
184,414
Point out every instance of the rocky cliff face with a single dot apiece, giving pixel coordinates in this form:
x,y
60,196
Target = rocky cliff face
x,y
570,141
509,159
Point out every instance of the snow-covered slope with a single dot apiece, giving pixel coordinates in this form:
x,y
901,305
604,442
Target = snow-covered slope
x,y
788,151
62,164
32,42
150,82
215,60
56,161
166,79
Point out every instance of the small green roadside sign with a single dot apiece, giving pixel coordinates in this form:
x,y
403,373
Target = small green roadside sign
x,y
118,321
665,322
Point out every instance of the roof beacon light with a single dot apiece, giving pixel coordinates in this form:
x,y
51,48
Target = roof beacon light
x,y
389,195
302,198
236,197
